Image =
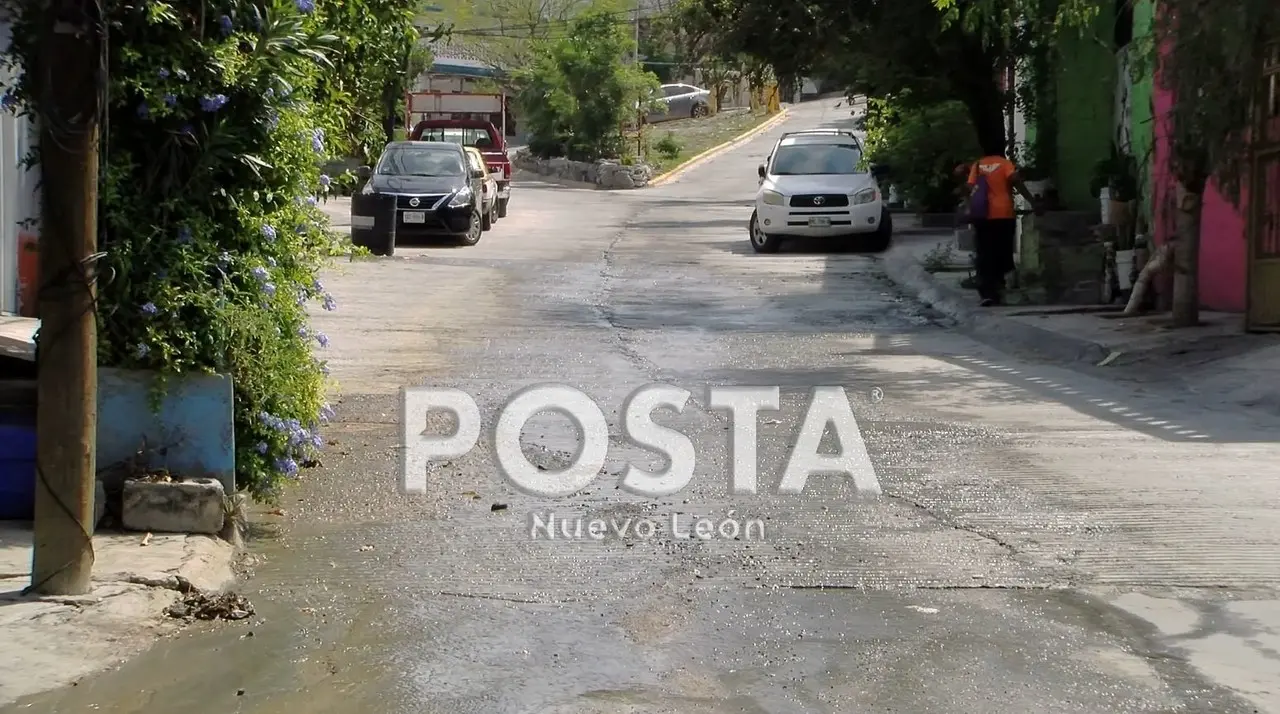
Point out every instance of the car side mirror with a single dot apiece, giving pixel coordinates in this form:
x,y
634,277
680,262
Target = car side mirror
x,y
477,173
760,170
364,172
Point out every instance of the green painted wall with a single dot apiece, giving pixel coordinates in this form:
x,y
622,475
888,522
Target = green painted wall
x,y
1142,119
1085,100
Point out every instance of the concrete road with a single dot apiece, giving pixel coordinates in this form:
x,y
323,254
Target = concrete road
x,y
1044,542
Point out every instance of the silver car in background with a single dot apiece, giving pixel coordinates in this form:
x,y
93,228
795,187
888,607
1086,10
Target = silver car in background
x,y
683,101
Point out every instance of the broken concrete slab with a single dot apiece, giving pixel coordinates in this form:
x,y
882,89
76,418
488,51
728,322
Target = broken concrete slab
x,y
187,506
56,641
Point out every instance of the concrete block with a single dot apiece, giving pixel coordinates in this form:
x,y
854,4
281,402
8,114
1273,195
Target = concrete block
x,y
188,506
192,434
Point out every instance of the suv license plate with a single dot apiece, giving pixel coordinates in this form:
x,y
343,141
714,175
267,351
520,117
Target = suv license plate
x,y
415,217
820,222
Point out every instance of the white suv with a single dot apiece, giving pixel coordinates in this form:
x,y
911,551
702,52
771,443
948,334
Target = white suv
x,y
813,185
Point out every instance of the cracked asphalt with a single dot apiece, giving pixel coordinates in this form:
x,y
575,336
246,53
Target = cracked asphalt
x,y
1045,542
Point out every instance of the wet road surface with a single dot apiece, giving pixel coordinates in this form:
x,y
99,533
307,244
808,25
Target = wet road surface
x,y
1045,542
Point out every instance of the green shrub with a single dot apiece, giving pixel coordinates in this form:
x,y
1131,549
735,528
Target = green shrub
x,y
577,93
208,214
921,144
668,147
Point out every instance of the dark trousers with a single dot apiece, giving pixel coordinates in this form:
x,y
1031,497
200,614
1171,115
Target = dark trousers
x,y
994,242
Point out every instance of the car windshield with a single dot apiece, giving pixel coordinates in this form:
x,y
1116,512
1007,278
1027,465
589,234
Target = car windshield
x,y
414,161
464,136
817,159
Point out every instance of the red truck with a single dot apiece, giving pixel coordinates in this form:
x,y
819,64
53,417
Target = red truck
x,y
478,133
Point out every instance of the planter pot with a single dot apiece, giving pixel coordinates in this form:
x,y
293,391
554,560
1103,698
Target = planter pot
x,y
194,424
1124,268
1119,213
1040,188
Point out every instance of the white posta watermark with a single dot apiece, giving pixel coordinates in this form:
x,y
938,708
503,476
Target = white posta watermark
x,y
550,526
828,407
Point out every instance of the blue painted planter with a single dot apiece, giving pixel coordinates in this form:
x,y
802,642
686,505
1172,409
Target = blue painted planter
x,y
192,435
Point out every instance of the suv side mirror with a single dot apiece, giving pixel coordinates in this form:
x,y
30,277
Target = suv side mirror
x,y
477,173
760,170
364,172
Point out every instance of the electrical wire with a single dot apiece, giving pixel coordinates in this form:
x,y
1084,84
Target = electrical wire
x,y
622,17
82,272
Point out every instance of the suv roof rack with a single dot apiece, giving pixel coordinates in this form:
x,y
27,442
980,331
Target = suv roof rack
x,y
819,131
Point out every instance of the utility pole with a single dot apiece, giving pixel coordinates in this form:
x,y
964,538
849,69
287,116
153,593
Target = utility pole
x,y
71,77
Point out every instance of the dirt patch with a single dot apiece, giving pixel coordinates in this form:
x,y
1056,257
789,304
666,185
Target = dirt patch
x,y
695,136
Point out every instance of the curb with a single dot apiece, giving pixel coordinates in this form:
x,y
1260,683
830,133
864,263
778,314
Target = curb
x,y
903,267
674,173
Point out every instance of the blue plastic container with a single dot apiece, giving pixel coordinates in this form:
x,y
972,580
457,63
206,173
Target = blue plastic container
x,y
17,471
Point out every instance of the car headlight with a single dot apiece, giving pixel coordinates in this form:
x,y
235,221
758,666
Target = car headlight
x,y
460,198
772,198
367,190
866,195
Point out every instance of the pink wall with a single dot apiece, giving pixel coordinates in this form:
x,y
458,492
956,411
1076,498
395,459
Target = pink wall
x,y
1223,246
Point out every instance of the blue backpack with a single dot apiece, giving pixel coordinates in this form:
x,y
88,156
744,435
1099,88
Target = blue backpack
x,y
979,201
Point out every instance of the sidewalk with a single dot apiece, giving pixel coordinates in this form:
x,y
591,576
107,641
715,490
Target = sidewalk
x,y
338,210
52,642
1217,360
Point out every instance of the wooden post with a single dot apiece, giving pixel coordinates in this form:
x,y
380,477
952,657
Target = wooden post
x,y
72,74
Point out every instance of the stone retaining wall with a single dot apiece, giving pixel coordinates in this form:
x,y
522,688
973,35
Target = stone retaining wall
x,y
603,173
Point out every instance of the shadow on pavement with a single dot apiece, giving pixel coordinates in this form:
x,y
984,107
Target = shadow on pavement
x,y
1153,414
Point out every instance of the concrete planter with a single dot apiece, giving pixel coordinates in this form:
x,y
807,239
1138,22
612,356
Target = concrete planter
x,y
186,506
191,435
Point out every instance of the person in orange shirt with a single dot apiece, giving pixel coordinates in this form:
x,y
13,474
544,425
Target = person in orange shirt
x,y
992,182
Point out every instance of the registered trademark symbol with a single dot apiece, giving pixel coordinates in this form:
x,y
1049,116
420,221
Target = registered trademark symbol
x,y
877,395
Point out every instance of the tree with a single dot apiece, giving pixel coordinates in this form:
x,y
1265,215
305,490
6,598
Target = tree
x,y
508,29
877,48
578,92
1212,65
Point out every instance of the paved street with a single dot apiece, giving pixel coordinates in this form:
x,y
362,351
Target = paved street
x,y
1046,542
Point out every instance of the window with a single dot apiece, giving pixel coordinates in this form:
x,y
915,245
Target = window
x,y
474,161
817,159
672,90
415,161
456,135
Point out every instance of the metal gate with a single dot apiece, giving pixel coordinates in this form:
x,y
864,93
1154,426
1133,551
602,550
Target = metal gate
x,y
1262,312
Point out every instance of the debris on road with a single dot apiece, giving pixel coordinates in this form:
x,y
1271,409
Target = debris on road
x,y
202,606
498,507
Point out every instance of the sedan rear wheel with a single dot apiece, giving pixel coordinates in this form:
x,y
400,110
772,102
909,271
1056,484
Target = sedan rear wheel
x,y
700,110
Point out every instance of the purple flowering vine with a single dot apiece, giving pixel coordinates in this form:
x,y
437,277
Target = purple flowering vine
x,y
212,103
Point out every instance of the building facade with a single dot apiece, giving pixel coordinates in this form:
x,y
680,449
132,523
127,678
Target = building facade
x,y
19,204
